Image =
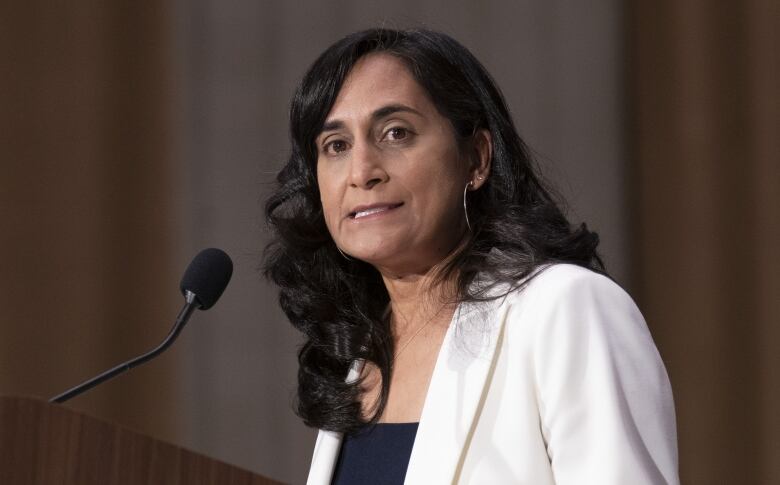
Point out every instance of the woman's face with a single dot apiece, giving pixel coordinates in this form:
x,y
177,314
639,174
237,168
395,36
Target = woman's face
x,y
390,171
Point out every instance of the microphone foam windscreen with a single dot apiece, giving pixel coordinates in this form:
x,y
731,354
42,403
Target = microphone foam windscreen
x,y
207,276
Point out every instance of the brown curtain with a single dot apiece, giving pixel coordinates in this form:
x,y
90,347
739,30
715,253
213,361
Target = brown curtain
x,y
85,235
707,213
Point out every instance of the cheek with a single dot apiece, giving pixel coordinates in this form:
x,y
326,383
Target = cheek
x,y
442,187
450,204
438,205
329,201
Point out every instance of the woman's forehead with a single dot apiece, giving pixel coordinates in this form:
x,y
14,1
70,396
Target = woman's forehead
x,y
378,80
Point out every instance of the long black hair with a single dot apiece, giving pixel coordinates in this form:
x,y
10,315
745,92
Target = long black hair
x,y
339,304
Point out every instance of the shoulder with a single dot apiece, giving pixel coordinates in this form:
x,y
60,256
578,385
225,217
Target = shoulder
x,y
563,305
557,280
567,304
563,285
600,385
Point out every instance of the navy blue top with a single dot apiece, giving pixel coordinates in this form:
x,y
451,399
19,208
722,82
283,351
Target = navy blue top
x,y
378,455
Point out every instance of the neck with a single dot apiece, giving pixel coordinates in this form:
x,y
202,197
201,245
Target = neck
x,y
419,296
417,299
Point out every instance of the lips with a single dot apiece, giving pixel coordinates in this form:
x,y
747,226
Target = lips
x,y
360,212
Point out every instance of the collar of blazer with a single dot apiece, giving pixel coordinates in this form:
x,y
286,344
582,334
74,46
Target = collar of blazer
x,y
456,393
453,402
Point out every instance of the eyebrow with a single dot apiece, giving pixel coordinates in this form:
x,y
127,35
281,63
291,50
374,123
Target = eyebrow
x,y
378,114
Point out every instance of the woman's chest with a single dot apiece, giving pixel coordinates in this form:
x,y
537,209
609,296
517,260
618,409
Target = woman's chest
x,y
409,381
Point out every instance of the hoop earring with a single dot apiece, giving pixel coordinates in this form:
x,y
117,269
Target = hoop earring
x,y
465,208
342,253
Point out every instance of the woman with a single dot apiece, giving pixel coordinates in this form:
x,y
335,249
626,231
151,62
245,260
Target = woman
x,y
417,249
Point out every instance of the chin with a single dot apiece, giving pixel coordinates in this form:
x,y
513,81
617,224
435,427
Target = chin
x,y
375,257
398,261
376,247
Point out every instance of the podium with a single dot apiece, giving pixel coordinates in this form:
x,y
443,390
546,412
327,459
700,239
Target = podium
x,y
48,444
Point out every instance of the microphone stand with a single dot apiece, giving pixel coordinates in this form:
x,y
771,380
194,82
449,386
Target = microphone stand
x,y
190,305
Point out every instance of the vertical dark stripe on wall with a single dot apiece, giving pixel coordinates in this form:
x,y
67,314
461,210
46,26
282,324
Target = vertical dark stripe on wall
x,y
706,209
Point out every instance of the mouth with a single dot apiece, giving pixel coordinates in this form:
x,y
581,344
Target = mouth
x,y
361,212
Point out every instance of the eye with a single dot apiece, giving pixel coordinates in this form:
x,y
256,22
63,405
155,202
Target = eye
x,y
397,133
335,147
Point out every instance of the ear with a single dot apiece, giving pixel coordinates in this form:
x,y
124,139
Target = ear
x,y
482,156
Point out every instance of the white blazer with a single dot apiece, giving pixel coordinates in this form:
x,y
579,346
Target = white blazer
x,y
557,383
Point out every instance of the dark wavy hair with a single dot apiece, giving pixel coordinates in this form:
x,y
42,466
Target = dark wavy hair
x,y
340,304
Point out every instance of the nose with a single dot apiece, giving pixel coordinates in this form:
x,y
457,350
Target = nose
x,y
367,168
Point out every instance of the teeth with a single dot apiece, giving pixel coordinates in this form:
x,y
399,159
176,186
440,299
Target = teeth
x,y
369,212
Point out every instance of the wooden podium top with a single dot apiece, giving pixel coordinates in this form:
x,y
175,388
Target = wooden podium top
x,y
42,443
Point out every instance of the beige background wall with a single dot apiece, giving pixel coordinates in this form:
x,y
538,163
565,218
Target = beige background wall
x,y
133,135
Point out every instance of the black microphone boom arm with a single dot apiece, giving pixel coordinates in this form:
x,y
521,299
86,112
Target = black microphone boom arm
x,y
190,305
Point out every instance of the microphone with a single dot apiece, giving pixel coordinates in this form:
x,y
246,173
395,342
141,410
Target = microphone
x,y
203,282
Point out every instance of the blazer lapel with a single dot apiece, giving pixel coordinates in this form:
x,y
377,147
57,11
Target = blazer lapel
x,y
328,446
323,460
453,402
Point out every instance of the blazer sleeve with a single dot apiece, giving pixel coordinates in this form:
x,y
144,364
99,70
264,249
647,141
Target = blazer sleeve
x,y
604,398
